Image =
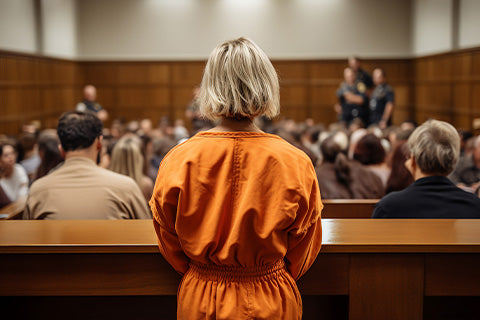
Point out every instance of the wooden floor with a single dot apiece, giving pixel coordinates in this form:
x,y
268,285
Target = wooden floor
x,y
367,269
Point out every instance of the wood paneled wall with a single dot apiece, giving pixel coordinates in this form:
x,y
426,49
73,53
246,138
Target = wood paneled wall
x,y
35,88
134,90
445,86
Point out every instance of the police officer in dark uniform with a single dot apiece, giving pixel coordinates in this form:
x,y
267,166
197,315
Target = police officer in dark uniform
x,y
352,98
90,104
361,75
382,101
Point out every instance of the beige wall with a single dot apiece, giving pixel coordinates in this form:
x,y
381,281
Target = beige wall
x,y
17,26
469,26
432,26
294,29
189,29
59,26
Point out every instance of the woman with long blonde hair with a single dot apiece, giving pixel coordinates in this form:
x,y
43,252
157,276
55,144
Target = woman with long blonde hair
x,y
127,159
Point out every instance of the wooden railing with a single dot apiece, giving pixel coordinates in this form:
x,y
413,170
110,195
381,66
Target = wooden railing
x,y
348,208
385,267
333,209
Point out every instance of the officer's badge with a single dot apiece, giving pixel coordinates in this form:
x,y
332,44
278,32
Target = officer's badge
x,y
361,87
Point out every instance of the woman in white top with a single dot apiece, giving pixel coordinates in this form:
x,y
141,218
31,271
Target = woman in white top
x,y
13,178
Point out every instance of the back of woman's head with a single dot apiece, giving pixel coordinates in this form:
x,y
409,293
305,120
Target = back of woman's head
x,y
400,177
161,146
239,82
369,150
435,146
127,158
48,151
332,152
330,149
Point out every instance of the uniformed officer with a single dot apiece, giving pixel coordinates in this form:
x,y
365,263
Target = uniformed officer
x,y
89,103
382,100
361,75
353,102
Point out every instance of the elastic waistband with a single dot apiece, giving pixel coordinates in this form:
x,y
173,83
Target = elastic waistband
x,y
234,273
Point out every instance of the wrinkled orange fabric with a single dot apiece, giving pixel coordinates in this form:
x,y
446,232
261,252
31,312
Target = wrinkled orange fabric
x,y
238,214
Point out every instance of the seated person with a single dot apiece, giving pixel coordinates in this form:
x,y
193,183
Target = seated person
x,y
127,159
13,177
79,189
434,151
340,178
31,160
50,157
4,199
467,172
400,177
370,152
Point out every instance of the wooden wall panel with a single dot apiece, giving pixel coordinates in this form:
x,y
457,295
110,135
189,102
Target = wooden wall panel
x,y
461,104
476,65
445,86
35,88
327,71
476,99
462,63
187,73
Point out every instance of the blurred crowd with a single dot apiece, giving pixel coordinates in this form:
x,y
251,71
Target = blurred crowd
x,y
351,162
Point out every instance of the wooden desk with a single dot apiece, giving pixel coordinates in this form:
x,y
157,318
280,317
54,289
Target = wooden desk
x,y
386,267
348,208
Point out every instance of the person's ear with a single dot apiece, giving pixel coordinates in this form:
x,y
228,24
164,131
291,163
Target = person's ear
x,y
62,152
99,143
411,165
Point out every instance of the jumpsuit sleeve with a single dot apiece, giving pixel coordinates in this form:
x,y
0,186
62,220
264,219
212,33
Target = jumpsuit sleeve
x,y
305,234
164,209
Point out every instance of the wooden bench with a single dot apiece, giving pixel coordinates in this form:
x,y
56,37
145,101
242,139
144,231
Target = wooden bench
x,y
348,208
386,268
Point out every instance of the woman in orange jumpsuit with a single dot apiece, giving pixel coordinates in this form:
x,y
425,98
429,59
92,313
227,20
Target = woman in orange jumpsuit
x,y
237,210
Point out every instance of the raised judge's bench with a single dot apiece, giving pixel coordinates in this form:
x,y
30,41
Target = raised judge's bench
x,y
386,269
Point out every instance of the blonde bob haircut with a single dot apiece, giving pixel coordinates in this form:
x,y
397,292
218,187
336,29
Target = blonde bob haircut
x,y
127,158
435,145
239,82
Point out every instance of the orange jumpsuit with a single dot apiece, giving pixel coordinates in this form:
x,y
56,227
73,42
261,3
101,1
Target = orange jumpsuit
x,y
238,214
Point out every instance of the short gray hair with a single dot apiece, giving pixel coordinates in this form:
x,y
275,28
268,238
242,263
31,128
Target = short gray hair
x,y
435,146
239,82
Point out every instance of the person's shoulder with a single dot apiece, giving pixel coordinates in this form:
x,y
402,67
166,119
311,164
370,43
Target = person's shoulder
x,y
43,184
362,172
468,196
392,205
20,170
281,148
400,198
114,179
180,151
464,162
395,197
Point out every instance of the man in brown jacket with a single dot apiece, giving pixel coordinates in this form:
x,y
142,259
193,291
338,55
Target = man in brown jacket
x,y
80,189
